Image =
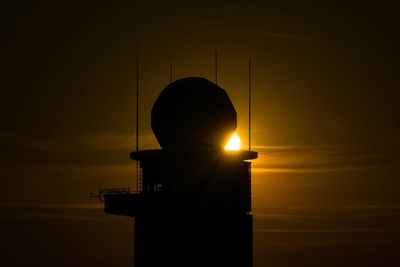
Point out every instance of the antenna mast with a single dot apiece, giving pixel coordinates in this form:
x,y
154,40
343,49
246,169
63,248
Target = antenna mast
x,y
249,100
137,122
170,73
137,103
170,67
216,65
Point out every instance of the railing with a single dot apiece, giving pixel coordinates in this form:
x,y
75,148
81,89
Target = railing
x,y
139,186
110,191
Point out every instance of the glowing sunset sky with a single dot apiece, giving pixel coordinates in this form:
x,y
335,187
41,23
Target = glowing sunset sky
x,y
325,122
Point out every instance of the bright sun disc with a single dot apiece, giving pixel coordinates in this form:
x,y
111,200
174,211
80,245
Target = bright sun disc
x,y
233,143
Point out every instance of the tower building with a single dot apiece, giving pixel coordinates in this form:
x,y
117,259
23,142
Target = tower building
x,y
192,206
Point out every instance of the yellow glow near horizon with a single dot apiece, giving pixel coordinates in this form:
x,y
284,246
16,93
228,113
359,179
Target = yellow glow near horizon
x,y
233,143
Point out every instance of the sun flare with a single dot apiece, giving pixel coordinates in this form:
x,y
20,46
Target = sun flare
x,y
233,143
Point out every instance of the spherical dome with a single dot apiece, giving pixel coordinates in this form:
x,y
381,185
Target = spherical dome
x,y
193,113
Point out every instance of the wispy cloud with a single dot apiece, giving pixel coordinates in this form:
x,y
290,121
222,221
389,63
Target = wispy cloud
x,y
118,141
335,230
287,36
58,217
333,218
72,211
99,141
311,169
76,206
324,158
105,148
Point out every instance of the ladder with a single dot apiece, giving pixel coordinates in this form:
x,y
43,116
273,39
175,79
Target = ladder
x,y
139,178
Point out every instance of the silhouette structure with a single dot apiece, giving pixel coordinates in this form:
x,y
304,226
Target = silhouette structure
x,y
193,205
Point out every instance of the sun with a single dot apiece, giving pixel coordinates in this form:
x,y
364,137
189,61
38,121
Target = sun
x,y
233,143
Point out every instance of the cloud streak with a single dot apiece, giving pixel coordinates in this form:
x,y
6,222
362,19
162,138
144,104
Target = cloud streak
x,y
74,206
99,141
324,158
336,230
58,217
71,211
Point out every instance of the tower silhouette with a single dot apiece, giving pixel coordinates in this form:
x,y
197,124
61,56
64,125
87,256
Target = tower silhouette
x,y
193,202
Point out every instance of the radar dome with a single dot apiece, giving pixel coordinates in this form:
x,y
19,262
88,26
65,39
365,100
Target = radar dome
x,y
193,113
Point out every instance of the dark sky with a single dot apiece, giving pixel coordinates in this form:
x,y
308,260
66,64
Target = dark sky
x,y
325,121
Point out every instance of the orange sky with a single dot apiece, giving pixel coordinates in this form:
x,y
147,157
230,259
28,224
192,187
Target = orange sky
x,y
325,118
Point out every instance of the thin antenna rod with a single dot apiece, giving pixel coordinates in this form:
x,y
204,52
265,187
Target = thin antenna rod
x,y
216,66
249,100
137,103
170,72
137,123
170,67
